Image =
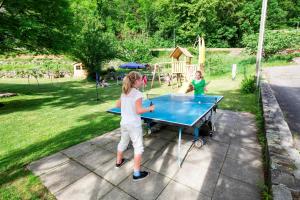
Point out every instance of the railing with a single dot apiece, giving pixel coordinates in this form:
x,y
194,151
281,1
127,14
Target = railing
x,y
191,71
179,67
188,71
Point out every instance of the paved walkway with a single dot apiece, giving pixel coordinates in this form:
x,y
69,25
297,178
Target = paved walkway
x,y
285,82
229,166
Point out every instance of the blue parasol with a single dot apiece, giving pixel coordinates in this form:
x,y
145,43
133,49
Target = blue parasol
x,y
132,65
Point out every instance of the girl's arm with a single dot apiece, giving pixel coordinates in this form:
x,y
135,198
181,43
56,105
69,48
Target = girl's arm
x,y
118,103
140,109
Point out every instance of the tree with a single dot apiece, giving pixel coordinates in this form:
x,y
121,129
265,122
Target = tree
x,y
39,26
92,44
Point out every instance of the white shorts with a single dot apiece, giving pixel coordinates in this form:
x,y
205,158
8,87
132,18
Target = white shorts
x,y
133,133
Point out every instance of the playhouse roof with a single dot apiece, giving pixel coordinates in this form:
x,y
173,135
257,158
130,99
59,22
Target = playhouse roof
x,y
178,51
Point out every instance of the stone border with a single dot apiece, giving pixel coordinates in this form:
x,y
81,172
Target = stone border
x,y
283,158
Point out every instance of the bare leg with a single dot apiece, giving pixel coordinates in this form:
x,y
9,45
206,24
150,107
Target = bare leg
x,y
137,162
119,157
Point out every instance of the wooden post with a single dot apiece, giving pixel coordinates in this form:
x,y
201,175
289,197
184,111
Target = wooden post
x,y
156,70
153,75
158,73
201,49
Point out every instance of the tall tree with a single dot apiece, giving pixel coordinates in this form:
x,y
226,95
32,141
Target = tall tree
x,y
92,43
35,25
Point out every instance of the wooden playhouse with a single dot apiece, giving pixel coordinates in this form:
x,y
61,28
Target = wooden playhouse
x,y
182,68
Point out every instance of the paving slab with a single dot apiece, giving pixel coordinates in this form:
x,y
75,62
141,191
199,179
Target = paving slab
x,y
79,149
148,154
172,149
204,159
63,176
115,175
155,143
90,187
163,164
212,147
243,154
177,191
96,158
247,171
102,140
246,142
231,189
197,177
48,163
117,194
112,146
221,137
147,189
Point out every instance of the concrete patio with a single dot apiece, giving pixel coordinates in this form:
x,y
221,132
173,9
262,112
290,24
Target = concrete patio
x,y
229,166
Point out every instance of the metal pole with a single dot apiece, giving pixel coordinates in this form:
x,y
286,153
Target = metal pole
x,y
261,39
97,84
179,149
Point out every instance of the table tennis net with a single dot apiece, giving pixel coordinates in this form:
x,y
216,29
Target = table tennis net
x,y
183,98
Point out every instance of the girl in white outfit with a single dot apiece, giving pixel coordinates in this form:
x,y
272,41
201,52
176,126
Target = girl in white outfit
x,y
131,123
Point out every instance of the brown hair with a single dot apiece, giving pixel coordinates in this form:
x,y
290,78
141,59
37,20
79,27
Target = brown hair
x,y
129,81
201,76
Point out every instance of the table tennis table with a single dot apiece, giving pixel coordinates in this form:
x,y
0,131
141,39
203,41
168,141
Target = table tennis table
x,y
181,111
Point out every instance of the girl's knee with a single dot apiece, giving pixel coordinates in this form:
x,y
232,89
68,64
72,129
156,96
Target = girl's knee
x,y
122,146
138,150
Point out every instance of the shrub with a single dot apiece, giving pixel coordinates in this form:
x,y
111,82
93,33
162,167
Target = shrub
x,y
248,85
136,49
274,42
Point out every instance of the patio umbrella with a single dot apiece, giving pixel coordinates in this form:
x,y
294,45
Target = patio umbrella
x,y
132,65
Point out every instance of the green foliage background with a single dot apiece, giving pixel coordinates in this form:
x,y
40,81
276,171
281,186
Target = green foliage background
x,y
274,41
94,31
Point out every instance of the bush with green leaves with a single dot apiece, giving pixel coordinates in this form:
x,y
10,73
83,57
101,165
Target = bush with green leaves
x,y
248,85
136,49
217,63
274,41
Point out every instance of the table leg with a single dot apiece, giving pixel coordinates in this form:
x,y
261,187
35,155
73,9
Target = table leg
x,y
179,146
196,134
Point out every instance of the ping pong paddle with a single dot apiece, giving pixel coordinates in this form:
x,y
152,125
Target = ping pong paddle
x,y
190,88
151,104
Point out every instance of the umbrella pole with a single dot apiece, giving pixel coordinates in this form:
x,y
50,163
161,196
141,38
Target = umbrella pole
x,y
97,84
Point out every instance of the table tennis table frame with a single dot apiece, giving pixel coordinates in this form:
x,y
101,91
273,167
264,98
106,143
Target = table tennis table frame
x,y
208,116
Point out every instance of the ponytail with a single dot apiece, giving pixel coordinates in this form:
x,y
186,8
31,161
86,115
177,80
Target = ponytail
x,y
129,81
126,85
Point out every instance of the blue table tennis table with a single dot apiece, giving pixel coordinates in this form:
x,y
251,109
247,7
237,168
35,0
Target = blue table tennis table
x,y
180,111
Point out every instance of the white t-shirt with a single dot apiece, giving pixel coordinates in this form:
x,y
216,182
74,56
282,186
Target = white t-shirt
x,y
128,109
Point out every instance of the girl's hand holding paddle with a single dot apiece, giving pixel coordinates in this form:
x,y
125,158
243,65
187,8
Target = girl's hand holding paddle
x,y
152,107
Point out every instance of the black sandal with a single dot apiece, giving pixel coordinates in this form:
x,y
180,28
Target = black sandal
x,y
122,162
